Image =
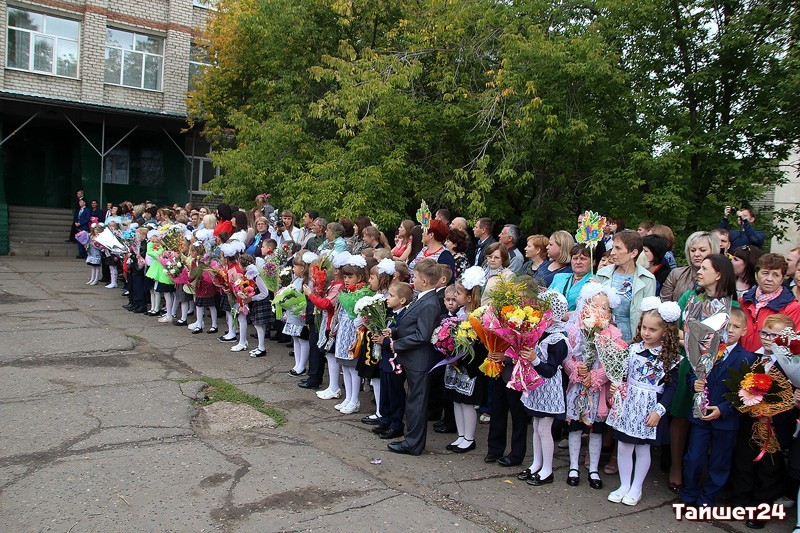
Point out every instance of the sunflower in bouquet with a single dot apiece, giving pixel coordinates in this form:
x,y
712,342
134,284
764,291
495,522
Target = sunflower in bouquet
x,y
762,395
171,236
455,338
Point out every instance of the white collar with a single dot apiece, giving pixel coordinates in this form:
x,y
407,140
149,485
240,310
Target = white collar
x,y
421,294
639,348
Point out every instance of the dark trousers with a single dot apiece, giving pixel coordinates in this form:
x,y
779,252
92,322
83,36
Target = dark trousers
x,y
416,409
505,401
139,292
718,460
393,399
316,359
439,407
755,482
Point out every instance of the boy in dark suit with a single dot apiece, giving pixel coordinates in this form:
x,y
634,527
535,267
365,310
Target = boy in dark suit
x,y
411,340
393,392
719,427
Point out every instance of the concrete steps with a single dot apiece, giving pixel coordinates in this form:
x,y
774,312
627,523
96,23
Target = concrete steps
x,y
40,231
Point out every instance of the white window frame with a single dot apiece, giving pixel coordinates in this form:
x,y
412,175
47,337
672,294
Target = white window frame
x,y
193,60
205,4
33,34
198,164
143,53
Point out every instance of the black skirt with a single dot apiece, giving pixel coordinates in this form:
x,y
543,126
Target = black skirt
x,y
577,425
209,301
164,287
225,306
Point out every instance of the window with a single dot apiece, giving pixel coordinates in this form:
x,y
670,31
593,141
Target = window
x,y
205,4
116,166
203,171
197,63
42,43
134,60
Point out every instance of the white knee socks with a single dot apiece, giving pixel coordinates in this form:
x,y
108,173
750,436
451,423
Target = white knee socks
x,y
168,299
231,329
595,447
352,382
242,318
574,449
640,472
376,390
543,447
458,412
113,272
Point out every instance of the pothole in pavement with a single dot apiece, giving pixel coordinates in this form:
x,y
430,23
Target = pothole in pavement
x,y
8,298
220,418
293,500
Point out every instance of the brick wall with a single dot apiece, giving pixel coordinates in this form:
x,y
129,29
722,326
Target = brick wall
x,y
174,20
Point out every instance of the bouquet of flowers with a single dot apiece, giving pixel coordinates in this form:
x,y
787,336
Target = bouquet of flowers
x,y
613,353
171,236
270,273
703,342
762,395
494,343
219,277
787,349
289,299
372,310
241,289
174,266
348,299
320,274
455,339
285,276
517,316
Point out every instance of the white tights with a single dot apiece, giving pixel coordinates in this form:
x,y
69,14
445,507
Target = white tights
x,y
466,421
352,382
231,328
184,307
632,479
168,299
542,447
376,390
301,348
94,275
333,373
261,331
242,318
201,311
595,446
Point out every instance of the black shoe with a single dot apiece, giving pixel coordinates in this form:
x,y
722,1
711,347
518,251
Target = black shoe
x,y
397,447
380,428
126,293
140,310
258,353
458,449
212,330
596,484
179,322
573,481
295,374
450,447
525,474
508,461
371,420
222,338
307,385
754,524
491,457
536,480
127,306
391,434
444,429
434,416
195,331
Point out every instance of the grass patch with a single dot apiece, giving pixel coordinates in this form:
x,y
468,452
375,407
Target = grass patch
x,y
219,390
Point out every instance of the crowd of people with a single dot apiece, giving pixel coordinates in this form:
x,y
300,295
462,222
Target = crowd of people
x,y
628,288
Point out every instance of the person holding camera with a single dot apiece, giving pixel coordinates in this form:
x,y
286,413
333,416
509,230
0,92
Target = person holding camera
x,y
746,235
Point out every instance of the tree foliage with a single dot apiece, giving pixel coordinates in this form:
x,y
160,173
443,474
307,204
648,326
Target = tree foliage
x,y
526,111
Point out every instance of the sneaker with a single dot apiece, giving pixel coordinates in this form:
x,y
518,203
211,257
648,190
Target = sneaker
x,y
238,347
350,409
328,394
485,418
223,338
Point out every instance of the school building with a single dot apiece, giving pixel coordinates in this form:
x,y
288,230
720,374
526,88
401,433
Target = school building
x,y
93,97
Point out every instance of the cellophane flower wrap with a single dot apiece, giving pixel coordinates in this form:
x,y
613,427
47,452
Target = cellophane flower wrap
x,y
241,289
273,267
787,349
291,300
613,354
455,339
171,236
175,266
372,310
494,343
350,295
517,316
762,395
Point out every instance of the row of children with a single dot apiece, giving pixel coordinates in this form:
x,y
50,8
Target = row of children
x,y
576,384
